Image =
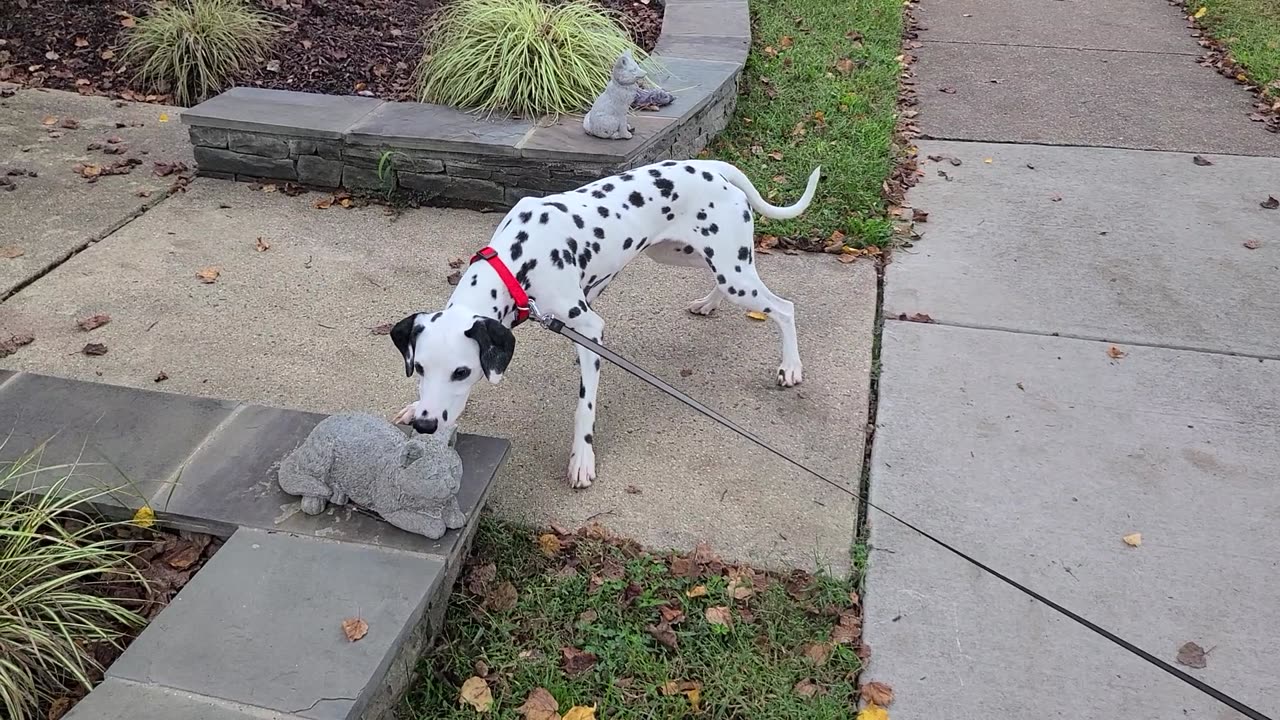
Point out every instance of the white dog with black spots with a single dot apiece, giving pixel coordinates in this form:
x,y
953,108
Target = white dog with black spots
x,y
563,251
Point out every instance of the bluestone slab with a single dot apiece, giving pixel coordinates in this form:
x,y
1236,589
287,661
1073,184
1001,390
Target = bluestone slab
x,y
1121,245
722,48
117,699
267,613
1141,25
232,480
1037,455
283,112
693,82
566,139
123,442
714,19
422,126
1084,97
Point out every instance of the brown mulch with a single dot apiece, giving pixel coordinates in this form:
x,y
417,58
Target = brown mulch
x,y
167,559
340,47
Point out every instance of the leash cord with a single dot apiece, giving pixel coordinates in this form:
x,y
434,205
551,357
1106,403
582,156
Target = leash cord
x,y
557,326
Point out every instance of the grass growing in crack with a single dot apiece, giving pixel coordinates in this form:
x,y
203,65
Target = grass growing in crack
x,y
791,651
821,89
1250,29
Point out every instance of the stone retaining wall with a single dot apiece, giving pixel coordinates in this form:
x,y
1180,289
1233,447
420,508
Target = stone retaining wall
x,y
448,157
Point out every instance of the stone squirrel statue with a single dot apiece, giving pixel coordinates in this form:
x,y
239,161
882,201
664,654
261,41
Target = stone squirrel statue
x,y
607,117
411,483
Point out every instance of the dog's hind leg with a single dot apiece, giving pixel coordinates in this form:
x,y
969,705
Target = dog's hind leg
x,y
742,285
582,458
708,304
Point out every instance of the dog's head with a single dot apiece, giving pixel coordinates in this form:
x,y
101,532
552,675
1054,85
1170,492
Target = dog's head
x,y
449,351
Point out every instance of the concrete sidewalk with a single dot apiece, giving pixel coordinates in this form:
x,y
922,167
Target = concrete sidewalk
x,y
1102,361
291,327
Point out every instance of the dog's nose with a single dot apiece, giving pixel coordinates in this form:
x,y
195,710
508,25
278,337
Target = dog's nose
x,y
425,426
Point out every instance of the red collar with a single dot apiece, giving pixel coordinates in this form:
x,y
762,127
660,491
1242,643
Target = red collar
x,y
518,294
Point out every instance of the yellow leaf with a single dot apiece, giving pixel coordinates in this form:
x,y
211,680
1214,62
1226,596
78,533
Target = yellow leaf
x,y
1200,13
549,544
695,696
164,117
540,705
754,315
873,712
698,591
987,161
475,692
354,628
1133,540
580,712
144,517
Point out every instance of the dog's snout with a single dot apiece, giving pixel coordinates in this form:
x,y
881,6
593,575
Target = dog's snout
x,y
425,426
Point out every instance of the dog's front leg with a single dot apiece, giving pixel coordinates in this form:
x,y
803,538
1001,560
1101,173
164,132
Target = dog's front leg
x,y
582,458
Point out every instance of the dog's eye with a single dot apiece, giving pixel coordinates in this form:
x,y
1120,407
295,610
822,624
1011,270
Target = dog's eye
x,y
461,373
417,367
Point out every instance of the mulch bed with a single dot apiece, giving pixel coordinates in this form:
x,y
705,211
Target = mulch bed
x,y
339,47
167,559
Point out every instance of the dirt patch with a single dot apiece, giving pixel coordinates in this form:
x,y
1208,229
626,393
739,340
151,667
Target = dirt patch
x,y
367,47
167,559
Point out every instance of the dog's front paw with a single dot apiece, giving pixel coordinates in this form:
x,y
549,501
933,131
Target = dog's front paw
x,y
582,467
704,306
405,416
790,375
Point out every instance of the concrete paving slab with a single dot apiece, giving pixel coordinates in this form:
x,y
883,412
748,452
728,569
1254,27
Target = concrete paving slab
x,y
270,606
62,211
1135,25
1084,97
1037,455
290,327
117,699
1142,247
102,438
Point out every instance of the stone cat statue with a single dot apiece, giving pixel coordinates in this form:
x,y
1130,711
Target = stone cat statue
x,y
607,117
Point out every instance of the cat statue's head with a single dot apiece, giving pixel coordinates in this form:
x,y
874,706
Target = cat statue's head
x,y
626,71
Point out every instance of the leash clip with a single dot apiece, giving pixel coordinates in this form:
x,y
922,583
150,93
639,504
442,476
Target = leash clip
x,y
538,316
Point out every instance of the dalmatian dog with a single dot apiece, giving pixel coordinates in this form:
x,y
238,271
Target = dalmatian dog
x,y
562,251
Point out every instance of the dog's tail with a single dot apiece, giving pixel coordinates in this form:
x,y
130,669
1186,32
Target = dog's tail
x,y
743,183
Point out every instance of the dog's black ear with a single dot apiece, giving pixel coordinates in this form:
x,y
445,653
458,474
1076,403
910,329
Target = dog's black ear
x,y
497,345
405,335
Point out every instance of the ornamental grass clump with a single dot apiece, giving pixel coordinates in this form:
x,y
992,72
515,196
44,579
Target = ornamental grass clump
x,y
523,56
55,556
192,48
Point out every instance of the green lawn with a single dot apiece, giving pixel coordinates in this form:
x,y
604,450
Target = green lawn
x,y
821,89
790,650
1251,31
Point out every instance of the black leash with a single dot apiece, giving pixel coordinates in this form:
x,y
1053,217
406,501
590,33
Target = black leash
x,y
558,327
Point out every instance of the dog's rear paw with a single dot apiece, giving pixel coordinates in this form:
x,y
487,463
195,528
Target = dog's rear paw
x,y
790,376
705,306
582,468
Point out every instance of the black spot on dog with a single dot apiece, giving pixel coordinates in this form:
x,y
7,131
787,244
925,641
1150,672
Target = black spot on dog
x,y
690,169
592,281
731,291
582,390
574,312
417,367
494,292
524,216
577,220
506,224
618,215
587,437
604,211
670,163
556,259
595,246
711,205
688,249
737,268
707,176
591,405
495,311
675,197
666,210
444,414
744,252
522,275
705,232
572,244
665,186
584,257
543,218
516,251
755,293
702,215
627,177
741,293
709,251
436,316
583,304
714,228
624,207
670,217
522,236
746,216
556,205
720,279
608,187
474,278
599,233
597,367
597,194
655,172
626,244
768,310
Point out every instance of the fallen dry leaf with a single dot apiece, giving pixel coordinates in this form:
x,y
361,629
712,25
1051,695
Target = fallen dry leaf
x,y
844,66
540,705
10,346
480,578
144,517
691,689
877,693
1201,12
580,712
671,614
209,275
947,89
915,317
69,124
775,155
920,216
475,692
1201,161
1271,203
324,203
1055,198
817,653
873,712
161,376
663,633
354,628
549,544
1133,539
786,41
587,617
1193,656
1252,243
262,245
988,160
807,688
383,329
1115,353
719,615
696,591
94,349
93,322
632,489
503,598
10,252
757,315
454,277
576,661
165,169
49,120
